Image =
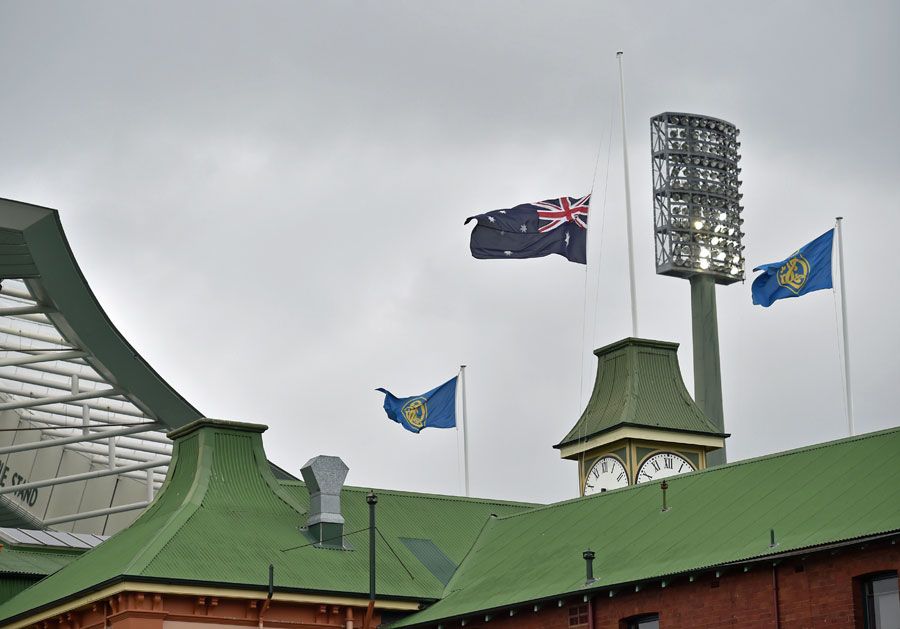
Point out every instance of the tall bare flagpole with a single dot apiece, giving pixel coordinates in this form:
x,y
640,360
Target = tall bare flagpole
x,y
633,291
840,239
462,383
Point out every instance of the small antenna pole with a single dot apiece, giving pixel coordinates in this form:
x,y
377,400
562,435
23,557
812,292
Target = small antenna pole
x,y
371,500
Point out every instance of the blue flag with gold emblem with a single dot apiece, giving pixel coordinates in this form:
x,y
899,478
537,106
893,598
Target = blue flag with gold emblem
x,y
803,272
432,409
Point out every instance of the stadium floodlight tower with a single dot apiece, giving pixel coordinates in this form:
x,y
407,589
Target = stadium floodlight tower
x,y
697,223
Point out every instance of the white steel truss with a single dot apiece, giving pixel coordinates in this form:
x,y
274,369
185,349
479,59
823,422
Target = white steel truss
x,y
62,405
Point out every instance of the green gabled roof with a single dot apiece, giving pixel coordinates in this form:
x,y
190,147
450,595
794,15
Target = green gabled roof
x,y
222,518
813,496
639,384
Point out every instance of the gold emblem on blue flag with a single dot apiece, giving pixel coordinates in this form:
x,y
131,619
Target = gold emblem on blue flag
x,y
415,412
432,409
806,270
794,273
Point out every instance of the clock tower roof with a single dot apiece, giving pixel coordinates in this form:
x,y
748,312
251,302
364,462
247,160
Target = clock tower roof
x,y
639,384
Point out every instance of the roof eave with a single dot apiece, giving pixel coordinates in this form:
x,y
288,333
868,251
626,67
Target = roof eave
x,y
594,589
214,586
58,280
586,438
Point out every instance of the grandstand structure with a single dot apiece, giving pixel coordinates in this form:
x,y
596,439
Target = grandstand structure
x,y
83,418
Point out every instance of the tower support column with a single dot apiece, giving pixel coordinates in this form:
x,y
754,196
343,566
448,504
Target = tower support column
x,y
707,369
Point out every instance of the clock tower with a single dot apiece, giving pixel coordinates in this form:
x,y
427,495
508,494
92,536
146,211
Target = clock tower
x,y
640,424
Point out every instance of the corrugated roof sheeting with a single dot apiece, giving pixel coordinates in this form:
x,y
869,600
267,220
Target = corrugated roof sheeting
x,y
30,562
222,517
813,496
639,383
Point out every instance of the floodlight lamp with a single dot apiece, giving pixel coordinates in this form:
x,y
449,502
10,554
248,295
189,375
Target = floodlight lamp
x,y
705,167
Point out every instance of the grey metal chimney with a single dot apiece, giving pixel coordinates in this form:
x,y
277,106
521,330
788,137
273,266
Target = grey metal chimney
x,y
324,477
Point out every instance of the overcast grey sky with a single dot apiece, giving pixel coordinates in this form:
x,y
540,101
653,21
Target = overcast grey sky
x,y
268,200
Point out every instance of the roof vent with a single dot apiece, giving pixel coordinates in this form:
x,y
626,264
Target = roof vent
x,y
324,477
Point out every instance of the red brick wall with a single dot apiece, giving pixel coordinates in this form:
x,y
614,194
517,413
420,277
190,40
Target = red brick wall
x,y
819,591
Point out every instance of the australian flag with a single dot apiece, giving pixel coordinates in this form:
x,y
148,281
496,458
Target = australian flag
x,y
533,230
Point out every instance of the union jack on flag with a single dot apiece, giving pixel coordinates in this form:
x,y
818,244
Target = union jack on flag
x,y
559,211
534,230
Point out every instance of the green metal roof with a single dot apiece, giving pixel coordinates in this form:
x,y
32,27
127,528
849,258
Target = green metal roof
x,y
33,562
33,247
813,496
222,517
639,384
21,568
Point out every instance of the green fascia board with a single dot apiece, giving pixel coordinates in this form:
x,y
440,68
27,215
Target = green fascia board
x,y
54,275
639,383
812,497
222,517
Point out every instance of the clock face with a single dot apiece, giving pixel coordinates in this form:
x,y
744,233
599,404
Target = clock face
x,y
607,473
662,465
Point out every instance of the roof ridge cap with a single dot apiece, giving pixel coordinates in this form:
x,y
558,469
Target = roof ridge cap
x,y
190,502
448,591
629,409
447,497
806,448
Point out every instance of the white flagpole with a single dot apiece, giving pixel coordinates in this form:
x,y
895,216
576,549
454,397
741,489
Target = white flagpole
x,y
840,239
462,382
634,319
